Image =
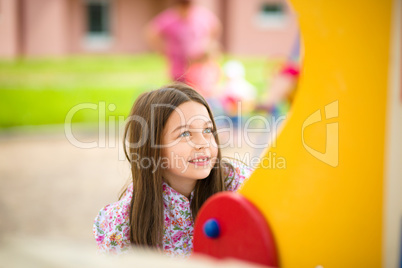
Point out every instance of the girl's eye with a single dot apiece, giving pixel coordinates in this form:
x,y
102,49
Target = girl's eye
x,y
208,130
185,134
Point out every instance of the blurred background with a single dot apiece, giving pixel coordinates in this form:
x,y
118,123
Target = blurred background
x,y
58,54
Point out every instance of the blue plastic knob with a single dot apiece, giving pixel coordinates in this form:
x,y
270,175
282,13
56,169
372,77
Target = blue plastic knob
x,y
211,228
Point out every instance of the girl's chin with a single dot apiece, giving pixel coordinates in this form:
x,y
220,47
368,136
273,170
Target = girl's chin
x,y
200,174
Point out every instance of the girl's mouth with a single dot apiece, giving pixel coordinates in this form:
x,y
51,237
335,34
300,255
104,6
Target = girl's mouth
x,y
200,161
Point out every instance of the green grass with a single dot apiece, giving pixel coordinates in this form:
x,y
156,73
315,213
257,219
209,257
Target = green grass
x,y
43,91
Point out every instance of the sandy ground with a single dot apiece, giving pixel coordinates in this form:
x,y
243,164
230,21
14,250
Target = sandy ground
x,y
52,189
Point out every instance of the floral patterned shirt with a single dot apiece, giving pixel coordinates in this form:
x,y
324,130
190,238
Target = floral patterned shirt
x,y
112,227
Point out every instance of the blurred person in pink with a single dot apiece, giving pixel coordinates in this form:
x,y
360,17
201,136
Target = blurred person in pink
x,y
187,34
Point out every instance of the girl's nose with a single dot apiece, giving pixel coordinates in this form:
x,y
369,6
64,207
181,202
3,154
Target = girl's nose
x,y
201,142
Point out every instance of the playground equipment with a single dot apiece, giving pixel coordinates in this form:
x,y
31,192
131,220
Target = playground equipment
x,y
338,202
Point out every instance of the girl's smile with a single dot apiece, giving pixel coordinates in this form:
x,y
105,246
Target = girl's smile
x,y
200,161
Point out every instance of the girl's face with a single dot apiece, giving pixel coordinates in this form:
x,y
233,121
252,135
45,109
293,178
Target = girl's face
x,y
190,149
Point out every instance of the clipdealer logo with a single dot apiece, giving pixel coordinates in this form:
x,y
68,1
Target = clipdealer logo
x,y
331,154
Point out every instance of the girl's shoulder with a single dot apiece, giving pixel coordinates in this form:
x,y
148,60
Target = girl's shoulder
x,y
111,227
236,173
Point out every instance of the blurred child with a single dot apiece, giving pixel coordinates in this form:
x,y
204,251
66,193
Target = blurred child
x,y
187,34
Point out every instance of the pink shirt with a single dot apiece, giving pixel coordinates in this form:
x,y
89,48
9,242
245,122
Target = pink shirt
x,y
185,38
112,229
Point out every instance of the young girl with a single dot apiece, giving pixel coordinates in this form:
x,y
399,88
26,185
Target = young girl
x,y
176,165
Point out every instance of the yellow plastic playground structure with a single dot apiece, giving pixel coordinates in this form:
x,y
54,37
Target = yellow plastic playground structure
x,y
338,201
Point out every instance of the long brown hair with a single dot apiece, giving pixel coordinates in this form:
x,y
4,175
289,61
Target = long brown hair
x,y
147,210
